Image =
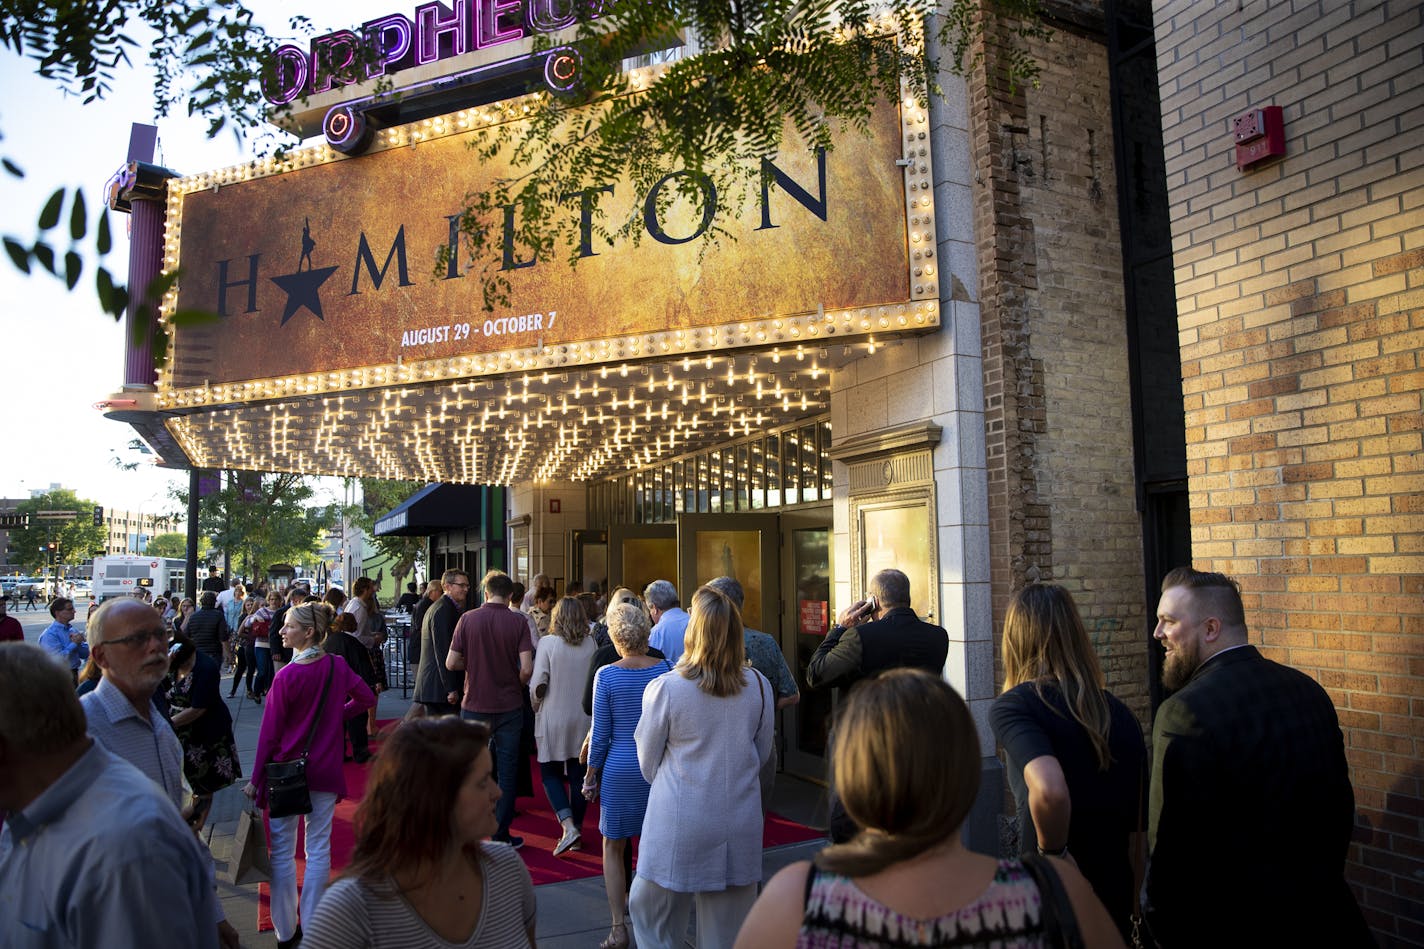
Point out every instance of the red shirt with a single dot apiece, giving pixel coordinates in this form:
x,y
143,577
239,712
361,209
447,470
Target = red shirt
x,y
10,630
491,639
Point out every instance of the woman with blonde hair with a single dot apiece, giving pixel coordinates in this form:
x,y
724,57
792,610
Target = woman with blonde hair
x,y
906,878
613,771
704,735
560,664
1073,752
311,698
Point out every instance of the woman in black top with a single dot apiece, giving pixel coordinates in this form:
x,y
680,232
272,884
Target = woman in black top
x,y
1073,753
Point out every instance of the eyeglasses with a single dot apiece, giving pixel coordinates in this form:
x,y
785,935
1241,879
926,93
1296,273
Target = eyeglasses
x,y
138,639
457,583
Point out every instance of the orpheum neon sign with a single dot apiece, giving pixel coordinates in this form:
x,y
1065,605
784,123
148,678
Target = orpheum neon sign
x,y
395,41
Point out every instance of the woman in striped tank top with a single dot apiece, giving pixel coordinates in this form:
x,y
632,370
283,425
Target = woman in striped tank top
x,y
423,873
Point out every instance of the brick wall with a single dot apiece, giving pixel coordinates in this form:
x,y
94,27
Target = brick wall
x,y
1301,305
1058,411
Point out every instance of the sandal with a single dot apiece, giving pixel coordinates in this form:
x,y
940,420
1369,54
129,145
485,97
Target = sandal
x,y
617,937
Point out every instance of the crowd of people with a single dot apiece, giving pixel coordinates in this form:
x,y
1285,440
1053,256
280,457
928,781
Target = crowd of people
x,y
665,717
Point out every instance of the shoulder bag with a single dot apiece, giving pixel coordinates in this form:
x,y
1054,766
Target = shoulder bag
x,y
287,792
1059,925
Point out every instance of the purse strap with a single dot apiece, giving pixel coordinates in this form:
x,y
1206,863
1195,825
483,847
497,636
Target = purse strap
x,y
320,703
1059,925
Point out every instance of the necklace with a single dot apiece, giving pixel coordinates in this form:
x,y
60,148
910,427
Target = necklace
x,y
311,652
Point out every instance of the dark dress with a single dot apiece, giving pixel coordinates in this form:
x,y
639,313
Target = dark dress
x,y
210,761
1107,805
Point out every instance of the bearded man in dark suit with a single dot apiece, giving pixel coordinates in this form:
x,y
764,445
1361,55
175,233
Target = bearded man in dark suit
x,y
1251,808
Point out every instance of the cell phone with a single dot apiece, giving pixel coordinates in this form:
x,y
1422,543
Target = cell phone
x,y
871,604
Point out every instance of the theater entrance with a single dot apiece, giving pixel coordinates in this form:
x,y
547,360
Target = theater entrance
x,y
783,562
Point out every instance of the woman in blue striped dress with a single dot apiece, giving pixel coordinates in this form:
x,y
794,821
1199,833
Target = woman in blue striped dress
x,y
613,772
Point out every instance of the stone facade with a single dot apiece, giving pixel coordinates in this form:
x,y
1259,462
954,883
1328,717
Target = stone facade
x,y
1058,409
1300,287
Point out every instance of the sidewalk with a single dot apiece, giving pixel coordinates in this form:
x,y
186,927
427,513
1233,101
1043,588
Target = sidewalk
x,y
572,915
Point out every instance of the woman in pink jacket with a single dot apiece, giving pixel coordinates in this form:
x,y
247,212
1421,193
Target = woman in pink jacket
x,y
294,702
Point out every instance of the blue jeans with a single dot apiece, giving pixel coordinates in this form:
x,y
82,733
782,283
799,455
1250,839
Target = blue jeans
x,y
264,670
563,784
504,745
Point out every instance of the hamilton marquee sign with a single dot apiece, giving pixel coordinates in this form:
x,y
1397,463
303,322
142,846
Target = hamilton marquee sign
x,y
331,265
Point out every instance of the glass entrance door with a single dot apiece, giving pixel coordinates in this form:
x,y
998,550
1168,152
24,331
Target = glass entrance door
x,y
742,546
640,554
806,619
783,562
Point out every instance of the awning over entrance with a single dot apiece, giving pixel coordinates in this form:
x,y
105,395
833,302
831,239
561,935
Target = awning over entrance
x,y
576,425
432,509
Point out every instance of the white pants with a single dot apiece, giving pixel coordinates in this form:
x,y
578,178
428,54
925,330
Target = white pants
x,y
284,863
660,915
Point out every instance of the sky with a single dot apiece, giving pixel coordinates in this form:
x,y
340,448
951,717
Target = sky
x,y
61,353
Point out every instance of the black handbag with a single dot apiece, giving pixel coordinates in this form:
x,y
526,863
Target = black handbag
x,y
1060,926
287,791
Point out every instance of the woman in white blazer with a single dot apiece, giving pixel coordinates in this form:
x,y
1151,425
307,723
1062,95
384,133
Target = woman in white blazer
x,y
705,732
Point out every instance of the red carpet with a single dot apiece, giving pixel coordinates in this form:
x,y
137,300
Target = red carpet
x,y
536,824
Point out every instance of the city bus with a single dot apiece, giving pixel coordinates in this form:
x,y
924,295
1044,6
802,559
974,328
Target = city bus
x,y
123,574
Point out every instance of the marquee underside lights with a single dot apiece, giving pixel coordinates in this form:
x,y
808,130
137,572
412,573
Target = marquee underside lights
x,y
582,424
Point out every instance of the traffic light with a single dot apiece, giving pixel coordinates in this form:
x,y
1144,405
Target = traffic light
x,y
98,515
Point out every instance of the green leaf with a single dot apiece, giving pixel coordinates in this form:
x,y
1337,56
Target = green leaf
x,y
44,254
114,299
193,318
73,267
160,285
18,254
104,242
78,219
12,168
49,217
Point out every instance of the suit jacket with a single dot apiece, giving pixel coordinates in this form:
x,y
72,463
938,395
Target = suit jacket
x,y
1250,812
433,682
896,640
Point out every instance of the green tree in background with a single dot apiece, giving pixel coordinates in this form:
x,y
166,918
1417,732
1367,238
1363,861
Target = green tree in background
x,y
75,540
262,519
378,496
174,544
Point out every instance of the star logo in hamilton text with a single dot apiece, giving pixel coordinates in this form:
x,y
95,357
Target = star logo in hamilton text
x,y
302,287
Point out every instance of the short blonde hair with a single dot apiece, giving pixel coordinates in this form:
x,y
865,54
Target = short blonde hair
x,y
715,650
628,626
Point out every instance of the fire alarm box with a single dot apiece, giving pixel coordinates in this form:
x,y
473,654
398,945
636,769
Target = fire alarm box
x,y
1259,134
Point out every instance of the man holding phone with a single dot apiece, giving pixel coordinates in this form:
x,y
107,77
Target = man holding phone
x,y
875,633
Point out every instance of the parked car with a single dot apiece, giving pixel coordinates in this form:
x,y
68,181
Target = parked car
x,y
23,587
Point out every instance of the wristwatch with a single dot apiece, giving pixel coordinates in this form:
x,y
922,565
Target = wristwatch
x,y
1060,852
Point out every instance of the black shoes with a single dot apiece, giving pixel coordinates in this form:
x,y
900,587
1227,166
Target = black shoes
x,y
292,943
514,842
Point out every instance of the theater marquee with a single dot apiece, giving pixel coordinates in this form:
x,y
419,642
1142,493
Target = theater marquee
x,y
322,268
